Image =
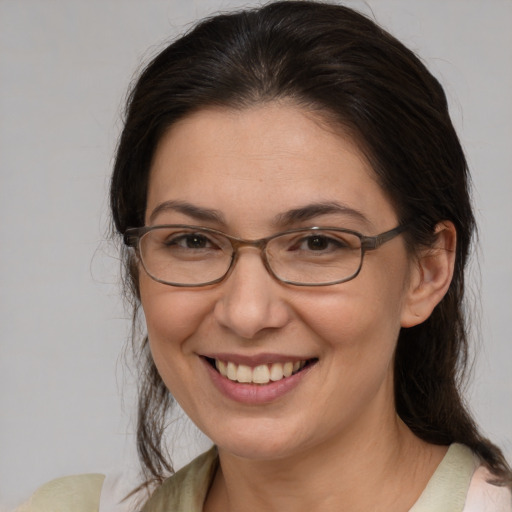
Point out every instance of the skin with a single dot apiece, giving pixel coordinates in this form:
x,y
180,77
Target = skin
x,y
334,441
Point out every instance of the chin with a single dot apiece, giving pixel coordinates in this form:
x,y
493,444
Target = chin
x,y
259,442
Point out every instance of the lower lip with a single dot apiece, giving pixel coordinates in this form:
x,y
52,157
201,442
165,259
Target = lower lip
x,y
255,394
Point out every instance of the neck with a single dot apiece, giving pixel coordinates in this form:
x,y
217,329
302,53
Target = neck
x,y
380,467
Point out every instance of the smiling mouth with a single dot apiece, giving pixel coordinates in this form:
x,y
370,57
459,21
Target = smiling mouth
x,y
261,374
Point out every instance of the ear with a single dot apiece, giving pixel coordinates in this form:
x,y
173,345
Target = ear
x,y
431,275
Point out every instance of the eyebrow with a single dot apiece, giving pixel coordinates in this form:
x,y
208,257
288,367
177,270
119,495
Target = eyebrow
x,y
282,220
191,210
313,210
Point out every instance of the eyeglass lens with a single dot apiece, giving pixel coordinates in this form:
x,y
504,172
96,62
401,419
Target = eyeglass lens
x,y
191,256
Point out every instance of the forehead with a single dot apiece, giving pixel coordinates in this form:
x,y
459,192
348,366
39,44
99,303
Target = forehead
x,y
264,159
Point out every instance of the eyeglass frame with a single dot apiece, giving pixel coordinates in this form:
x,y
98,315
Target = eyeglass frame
x,y
132,237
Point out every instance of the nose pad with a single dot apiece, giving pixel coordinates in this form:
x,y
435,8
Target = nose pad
x,y
251,300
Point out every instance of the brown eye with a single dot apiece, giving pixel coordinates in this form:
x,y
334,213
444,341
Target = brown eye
x,y
317,243
193,241
320,243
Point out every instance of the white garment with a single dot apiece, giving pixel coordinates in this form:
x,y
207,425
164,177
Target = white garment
x,y
116,487
459,484
459,479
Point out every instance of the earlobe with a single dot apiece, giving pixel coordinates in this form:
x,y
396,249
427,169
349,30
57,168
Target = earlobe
x,y
431,276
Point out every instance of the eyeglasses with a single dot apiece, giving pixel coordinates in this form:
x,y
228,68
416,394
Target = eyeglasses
x,y
189,256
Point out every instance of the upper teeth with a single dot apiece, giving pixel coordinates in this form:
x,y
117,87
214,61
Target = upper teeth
x,y
261,374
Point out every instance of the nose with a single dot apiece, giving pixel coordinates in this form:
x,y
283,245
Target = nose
x,y
251,300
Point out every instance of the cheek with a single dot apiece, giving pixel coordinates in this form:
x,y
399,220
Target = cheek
x,y
353,318
361,317
172,316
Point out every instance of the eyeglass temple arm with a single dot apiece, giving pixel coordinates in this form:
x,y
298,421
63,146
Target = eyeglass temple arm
x,y
370,243
131,237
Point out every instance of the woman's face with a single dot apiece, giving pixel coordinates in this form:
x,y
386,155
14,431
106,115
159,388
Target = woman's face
x,y
250,174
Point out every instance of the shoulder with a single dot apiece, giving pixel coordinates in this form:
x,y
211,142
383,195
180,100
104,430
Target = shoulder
x,y
485,497
79,493
187,489
460,484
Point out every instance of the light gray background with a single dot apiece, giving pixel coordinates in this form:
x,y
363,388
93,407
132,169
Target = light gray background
x,y
64,69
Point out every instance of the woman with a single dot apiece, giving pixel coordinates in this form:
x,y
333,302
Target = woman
x,y
294,203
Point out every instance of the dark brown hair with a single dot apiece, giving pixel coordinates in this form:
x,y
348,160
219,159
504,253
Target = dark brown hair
x,y
342,65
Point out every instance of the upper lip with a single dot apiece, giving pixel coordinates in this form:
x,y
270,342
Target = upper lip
x,y
256,360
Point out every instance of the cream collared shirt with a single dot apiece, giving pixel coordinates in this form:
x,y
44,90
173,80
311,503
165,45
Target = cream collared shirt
x,y
459,484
